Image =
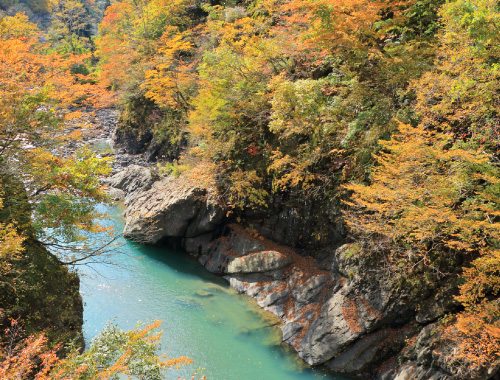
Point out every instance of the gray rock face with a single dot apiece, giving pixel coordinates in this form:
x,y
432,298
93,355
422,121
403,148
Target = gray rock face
x,y
295,225
257,262
164,211
354,359
290,330
207,220
115,194
333,330
338,317
410,371
356,307
133,180
329,315
372,350
193,245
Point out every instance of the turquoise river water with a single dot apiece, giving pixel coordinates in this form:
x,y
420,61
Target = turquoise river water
x,y
225,333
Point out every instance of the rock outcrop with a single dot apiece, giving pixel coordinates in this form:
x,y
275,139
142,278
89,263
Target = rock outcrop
x,y
133,180
336,310
330,317
295,225
133,141
170,211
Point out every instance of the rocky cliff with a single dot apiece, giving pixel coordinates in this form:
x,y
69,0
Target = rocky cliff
x,y
336,309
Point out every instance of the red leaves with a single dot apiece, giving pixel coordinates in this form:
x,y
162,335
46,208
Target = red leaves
x,y
253,150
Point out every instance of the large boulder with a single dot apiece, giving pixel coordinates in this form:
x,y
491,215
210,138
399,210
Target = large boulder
x,y
164,211
133,180
207,219
263,261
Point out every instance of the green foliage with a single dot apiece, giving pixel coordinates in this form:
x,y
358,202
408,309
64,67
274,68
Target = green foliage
x,y
304,119
460,93
174,169
115,352
70,28
422,20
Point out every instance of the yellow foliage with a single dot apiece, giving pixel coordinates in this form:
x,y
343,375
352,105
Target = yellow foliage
x,y
415,200
17,26
472,340
246,189
169,82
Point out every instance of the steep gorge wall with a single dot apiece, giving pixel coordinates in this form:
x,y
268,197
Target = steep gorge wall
x,y
337,310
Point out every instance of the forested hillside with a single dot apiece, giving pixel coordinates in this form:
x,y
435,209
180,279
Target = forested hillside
x,y
381,114
376,121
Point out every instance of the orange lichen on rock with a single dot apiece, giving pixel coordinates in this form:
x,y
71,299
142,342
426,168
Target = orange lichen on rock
x,y
298,278
350,313
374,313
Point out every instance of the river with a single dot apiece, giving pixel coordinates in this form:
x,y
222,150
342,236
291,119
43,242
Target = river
x,y
225,333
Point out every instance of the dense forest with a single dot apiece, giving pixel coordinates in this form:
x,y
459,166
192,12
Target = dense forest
x,y
383,114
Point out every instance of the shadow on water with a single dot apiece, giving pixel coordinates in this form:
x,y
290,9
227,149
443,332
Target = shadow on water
x,y
179,262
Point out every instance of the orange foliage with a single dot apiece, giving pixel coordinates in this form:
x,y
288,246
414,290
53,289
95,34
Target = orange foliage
x,y
472,340
170,81
30,357
335,25
115,48
414,200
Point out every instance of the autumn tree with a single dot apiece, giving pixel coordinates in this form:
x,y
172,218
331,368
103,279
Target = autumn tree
x,y
146,54
289,97
460,94
35,8
35,89
49,200
70,28
129,37
432,205
112,353
170,82
428,202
